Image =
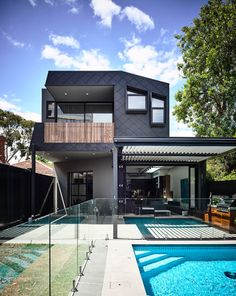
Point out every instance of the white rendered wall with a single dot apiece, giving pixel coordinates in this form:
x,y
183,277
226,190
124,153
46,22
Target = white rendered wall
x,y
176,175
102,175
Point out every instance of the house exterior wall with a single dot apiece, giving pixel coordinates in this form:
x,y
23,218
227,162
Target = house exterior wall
x,y
102,175
176,175
126,124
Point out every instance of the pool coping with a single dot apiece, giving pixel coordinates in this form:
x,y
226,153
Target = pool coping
x,y
122,276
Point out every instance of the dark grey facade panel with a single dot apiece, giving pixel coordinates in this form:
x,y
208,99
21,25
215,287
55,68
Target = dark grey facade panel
x,y
126,125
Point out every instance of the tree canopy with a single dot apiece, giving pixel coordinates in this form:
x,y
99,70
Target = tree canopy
x,y
207,102
18,133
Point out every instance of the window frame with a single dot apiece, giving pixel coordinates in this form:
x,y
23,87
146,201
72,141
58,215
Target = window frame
x,y
70,184
55,108
161,98
84,106
138,92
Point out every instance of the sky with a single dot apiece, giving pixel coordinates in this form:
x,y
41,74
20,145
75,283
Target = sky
x,y
131,35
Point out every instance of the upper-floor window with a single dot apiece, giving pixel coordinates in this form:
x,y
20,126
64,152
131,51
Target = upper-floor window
x,y
85,112
157,110
99,112
70,112
51,110
136,100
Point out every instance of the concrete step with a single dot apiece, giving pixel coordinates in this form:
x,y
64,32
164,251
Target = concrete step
x,y
151,259
161,265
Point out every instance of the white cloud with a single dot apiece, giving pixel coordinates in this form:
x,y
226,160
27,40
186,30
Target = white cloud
x,y
70,2
179,129
6,105
49,2
105,9
86,60
146,60
33,2
74,10
13,41
141,20
163,31
64,40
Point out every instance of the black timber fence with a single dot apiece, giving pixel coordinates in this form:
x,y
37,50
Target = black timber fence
x,y
15,195
221,188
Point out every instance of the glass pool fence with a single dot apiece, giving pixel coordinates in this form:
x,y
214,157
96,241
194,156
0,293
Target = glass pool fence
x,y
48,255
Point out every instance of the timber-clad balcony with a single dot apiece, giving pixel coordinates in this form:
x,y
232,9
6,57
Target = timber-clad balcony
x,y
74,132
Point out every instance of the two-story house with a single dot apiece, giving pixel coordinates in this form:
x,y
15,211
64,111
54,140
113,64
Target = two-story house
x,y
107,133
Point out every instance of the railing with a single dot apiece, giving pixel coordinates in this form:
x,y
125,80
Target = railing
x,y
58,132
49,255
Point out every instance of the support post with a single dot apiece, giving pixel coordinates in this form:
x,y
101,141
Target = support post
x,y
115,191
55,198
33,167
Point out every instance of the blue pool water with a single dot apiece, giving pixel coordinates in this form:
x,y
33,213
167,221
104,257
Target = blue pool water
x,y
144,224
58,220
184,270
163,221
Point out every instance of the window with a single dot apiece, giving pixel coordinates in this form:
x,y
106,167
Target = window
x,y
70,112
50,110
98,112
157,110
136,101
85,112
81,186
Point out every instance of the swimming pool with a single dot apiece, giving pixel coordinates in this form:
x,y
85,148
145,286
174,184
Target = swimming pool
x,y
187,269
57,219
162,221
171,228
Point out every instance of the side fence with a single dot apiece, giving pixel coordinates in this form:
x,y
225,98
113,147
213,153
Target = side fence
x,y
15,195
221,188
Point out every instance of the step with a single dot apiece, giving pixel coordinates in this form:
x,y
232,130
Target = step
x,y
151,259
161,265
140,254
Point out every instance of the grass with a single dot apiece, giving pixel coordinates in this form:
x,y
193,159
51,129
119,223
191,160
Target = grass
x,y
34,280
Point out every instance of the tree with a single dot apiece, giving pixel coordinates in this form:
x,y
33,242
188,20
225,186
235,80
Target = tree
x,y
18,133
207,102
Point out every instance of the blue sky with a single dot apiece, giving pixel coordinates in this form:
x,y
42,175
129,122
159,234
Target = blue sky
x,y
134,36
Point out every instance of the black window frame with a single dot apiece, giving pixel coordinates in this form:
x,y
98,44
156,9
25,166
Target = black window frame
x,y
55,108
138,92
70,183
84,105
161,98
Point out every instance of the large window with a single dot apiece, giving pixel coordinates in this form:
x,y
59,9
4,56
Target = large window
x,y
84,112
80,186
157,110
98,112
70,112
136,100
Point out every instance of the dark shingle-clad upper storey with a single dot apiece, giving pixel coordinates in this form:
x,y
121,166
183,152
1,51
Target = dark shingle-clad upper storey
x,y
127,124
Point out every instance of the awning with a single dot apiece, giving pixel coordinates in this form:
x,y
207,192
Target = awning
x,y
173,150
